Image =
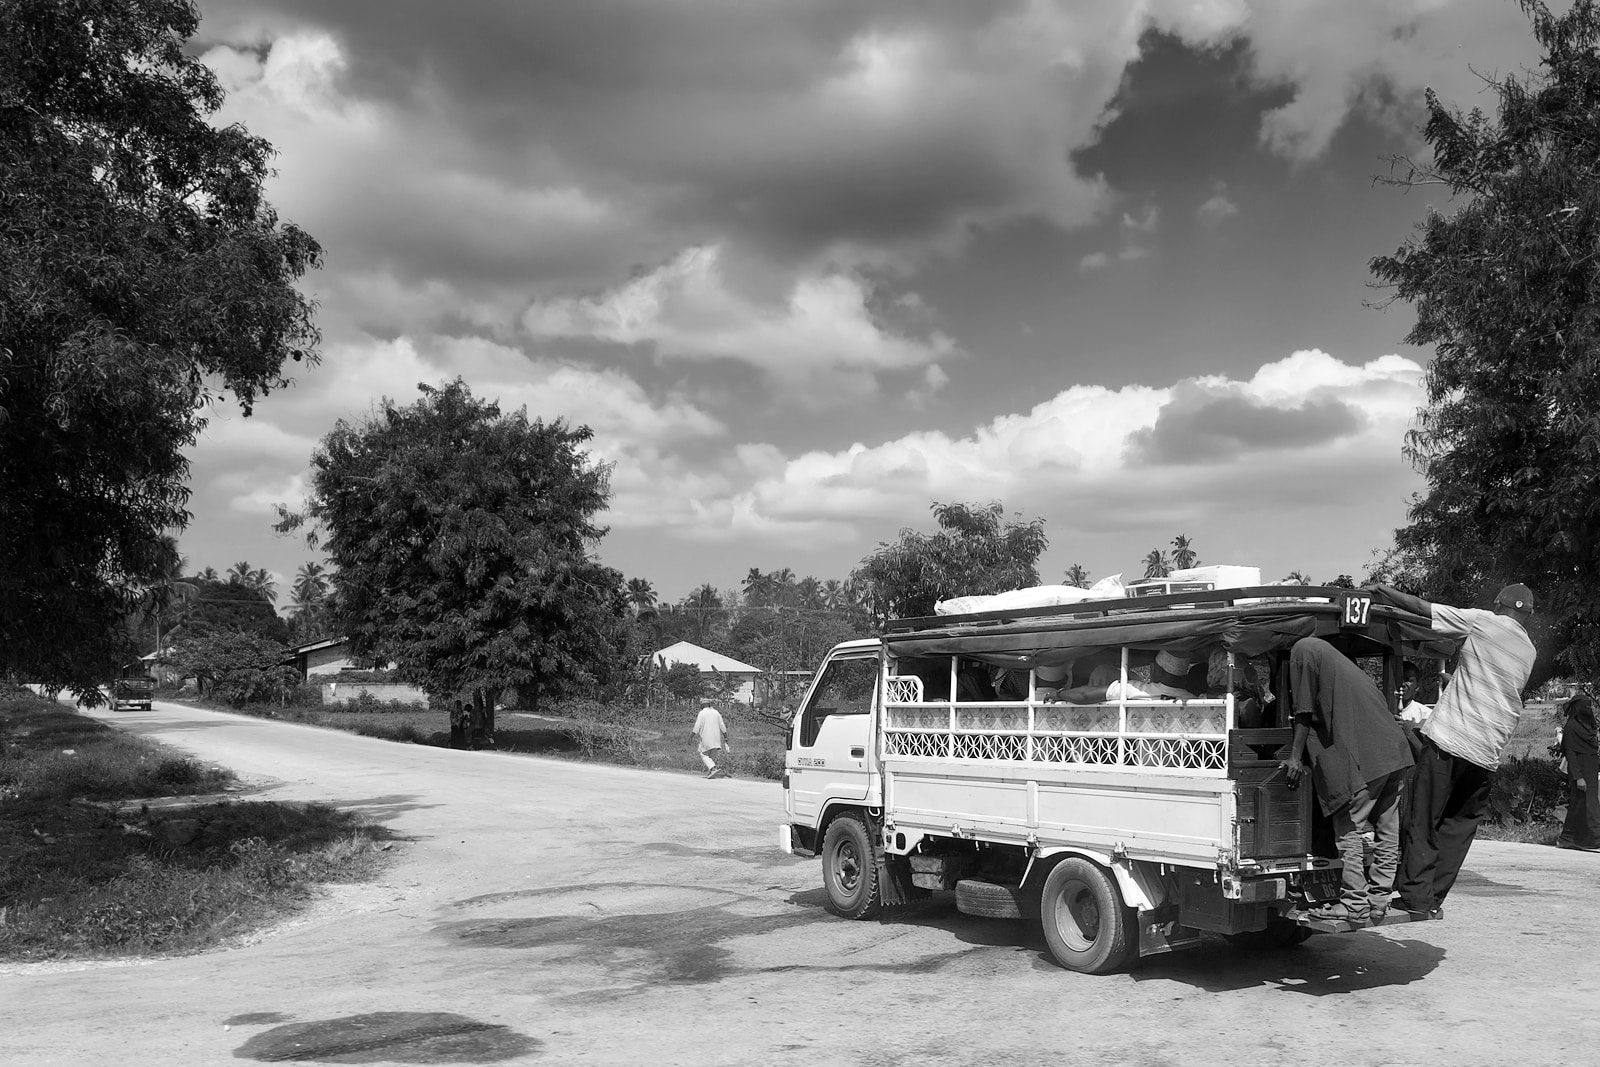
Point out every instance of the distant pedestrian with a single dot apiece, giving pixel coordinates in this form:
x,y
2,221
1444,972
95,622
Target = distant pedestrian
x,y
1582,828
711,736
1359,760
458,725
1463,739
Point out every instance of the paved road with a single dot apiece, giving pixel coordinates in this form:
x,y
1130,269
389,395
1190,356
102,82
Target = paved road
x,y
545,911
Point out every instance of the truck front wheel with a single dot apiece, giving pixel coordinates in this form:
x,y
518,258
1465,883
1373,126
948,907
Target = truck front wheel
x,y
1085,923
849,871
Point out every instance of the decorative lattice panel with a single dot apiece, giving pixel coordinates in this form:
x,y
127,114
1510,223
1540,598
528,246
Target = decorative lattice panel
x,y
1101,751
991,746
901,743
1092,718
1177,753
991,717
1177,719
918,718
907,690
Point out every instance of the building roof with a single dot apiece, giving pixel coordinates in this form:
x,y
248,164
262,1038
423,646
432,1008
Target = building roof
x,y
704,658
313,646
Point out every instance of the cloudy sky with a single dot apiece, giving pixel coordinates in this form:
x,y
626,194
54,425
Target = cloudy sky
x,y
806,266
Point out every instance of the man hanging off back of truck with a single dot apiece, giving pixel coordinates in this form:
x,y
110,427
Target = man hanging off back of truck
x,y
1359,758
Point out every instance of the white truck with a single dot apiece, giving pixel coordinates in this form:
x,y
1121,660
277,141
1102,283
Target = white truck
x,y
958,753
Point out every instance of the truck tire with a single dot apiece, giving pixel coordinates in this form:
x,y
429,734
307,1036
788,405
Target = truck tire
x,y
850,869
994,900
1085,922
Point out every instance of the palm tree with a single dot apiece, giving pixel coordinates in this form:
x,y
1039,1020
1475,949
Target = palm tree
x,y
209,575
169,590
809,592
1296,577
834,595
703,604
1183,554
310,584
240,573
1156,564
641,595
262,583
757,588
1078,576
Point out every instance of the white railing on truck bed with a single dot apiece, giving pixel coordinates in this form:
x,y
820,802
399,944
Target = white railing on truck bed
x,y
1156,735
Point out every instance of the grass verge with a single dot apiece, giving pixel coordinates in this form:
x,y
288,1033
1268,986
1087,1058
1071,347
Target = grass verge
x,y
656,738
111,878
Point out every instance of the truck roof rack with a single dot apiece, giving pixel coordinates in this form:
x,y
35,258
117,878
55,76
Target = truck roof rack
x,y
1270,598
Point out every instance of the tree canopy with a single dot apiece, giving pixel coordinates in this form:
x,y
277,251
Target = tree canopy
x,y
1506,288
461,540
974,551
142,275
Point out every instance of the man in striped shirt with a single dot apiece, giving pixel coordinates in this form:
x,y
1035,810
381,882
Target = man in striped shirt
x,y
1462,740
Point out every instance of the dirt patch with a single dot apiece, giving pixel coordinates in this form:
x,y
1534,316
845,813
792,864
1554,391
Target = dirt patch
x,y
390,1037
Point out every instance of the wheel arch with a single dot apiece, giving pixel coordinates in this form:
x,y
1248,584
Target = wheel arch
x,y
1138,882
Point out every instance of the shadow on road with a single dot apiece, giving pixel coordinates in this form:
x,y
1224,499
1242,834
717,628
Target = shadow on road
x,y
378,809
1330,963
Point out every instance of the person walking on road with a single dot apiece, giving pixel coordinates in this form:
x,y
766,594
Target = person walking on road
x,y
1359,760
711,735
1582,828
1463,740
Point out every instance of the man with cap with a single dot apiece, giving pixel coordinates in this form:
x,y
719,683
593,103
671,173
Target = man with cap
x,y
1462,741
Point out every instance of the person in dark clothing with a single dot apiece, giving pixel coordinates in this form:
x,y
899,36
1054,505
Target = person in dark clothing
x,y
1582,828
1359,758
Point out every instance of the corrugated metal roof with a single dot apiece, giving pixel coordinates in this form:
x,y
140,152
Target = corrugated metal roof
x,y
704,658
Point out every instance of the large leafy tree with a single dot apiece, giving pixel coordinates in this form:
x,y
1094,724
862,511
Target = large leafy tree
x,y
1506,288
142,275
975,550
461,539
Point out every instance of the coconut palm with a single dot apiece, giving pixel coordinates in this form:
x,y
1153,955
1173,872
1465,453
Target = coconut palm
x,y
703,605
262,582
809,593
1078,576
1296,577
641,595
209,575
240,572
1183,554
310,584
834,595
1156,564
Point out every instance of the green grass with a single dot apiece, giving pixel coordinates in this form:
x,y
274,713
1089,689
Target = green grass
x,y
627,735
108,879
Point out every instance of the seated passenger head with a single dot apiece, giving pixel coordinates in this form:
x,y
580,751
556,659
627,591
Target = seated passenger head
x,y
1410,679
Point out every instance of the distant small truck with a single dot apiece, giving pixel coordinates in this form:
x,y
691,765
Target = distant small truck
x,y
132,692
942,756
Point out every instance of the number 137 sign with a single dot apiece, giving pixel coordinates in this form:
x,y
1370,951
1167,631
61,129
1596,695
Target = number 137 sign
x,y
1354,609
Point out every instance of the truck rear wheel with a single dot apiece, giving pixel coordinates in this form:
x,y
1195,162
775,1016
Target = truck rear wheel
x,y
1085,922
849,868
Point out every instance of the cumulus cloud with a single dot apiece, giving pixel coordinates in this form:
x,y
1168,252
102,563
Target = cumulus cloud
x,y
1305,427
1216,209
687,310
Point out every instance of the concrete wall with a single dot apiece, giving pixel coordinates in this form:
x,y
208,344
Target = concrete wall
x,y
342,692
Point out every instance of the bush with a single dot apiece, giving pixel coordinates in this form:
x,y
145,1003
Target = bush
x,y
306,695
1526,789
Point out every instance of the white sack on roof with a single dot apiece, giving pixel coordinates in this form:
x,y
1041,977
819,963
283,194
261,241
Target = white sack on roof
x,y
1040,596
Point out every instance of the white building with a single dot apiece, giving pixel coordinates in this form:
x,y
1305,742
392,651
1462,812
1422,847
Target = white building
x,y
708,662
